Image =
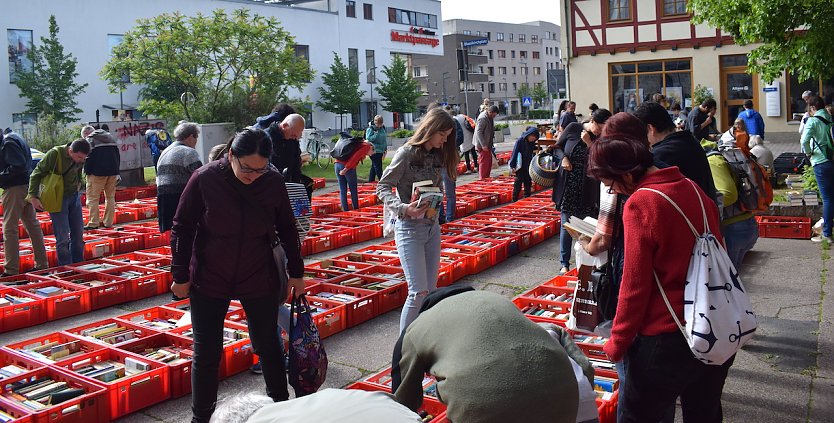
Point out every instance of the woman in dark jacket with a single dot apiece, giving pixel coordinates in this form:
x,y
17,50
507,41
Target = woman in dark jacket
x,y
221,251
574,193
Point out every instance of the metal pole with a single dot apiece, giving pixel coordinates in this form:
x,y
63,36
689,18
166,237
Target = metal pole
x,y
466,81
373,81
506,100
445,77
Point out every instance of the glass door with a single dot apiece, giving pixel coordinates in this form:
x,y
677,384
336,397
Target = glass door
x,y
736,86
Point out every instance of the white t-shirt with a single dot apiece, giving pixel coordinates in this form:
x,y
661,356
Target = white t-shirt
x,y
337,406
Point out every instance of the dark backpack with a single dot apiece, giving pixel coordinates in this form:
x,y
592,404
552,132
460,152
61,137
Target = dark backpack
x,y
345,148
827,149
8,172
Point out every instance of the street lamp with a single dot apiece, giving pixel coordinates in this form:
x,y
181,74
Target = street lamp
x,y
372,82
445,77
526,82
506,101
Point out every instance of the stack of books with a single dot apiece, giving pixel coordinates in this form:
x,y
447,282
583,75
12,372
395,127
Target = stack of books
x,y
41,393
11,299
49,291
231,335
110,333
110,370
810,197
541,312
342,298
794,181
162,324
50,352
96,267
795,198
604,387
169,355
430,198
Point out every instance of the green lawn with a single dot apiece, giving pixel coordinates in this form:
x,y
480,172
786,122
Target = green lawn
x,y
312,170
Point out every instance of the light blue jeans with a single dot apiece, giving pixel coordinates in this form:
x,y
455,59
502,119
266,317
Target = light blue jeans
x,y
68,225
740,238
418,245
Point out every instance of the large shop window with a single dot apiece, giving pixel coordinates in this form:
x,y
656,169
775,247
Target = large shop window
x,y
635,82
796,105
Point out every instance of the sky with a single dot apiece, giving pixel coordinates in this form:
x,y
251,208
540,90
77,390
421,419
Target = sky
x,y
509,11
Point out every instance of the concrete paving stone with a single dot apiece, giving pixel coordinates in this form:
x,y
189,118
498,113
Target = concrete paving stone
x,y
519,271
789,345
367,346
500,289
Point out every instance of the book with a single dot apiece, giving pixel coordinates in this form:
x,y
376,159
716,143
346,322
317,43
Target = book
x,y
579,228
430,197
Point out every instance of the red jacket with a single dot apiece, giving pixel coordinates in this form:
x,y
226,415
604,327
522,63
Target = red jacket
x,y
361,152
657,238
220,245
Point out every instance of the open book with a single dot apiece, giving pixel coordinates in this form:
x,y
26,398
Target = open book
x,y
578,228
429,196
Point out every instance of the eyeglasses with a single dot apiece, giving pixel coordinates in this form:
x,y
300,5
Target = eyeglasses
x,y
611,190
247,169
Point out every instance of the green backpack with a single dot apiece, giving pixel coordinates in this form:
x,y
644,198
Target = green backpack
x,y
52,187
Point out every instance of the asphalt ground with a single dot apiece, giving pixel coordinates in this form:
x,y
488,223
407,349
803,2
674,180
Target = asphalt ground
x,y
785,374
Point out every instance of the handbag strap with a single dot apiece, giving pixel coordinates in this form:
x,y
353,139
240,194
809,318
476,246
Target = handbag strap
x,y
263,216
299,304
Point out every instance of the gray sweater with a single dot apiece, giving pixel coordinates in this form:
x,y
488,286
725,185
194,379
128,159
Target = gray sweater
x,y
174,168
410,164
492,364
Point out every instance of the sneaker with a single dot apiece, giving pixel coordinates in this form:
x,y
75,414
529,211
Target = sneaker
x,y
563,270
256,368
90,228
821,238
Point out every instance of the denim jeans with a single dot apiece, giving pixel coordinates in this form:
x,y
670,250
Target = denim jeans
x,y
825,181
565,243
262,319
449,186
376,166
659,369
740,238
522,178
348,180
68,225
418,245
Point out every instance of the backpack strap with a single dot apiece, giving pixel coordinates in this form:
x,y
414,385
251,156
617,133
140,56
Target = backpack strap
x,y
669,307
675,205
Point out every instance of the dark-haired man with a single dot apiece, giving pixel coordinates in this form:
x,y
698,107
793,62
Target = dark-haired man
x,y
701,118
752,119
68,223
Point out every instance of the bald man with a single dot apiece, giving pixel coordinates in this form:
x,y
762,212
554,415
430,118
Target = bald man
x,y
286,150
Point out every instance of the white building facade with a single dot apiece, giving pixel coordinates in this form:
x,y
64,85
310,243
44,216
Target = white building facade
x,y
365,33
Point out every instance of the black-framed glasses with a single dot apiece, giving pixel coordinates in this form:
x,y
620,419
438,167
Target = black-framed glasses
x,y
247,169
611,190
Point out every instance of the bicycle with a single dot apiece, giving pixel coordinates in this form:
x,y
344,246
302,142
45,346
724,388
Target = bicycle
x,y
319,149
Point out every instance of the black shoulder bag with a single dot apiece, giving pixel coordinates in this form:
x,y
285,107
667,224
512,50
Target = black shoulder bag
x,y
606,286
278,253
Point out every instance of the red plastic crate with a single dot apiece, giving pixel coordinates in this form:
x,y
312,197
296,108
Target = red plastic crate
x,y
391,273
340,266
125,215
561,298
458,264
130,393
391,293
105,290
164,250
365,307
558,314
142,282
137,258
478,258
11,358
146,191
148,316
143,211
123,242
331,317
96,265
92,407
369,259
318,241
129,333
789,227
97,247
238,356
125,194
17,415
519,239
76,299
24,348
23,315
430,405
180,373
566,280
151,237
592,349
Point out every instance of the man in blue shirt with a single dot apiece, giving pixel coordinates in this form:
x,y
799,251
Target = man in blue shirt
x,y
752,119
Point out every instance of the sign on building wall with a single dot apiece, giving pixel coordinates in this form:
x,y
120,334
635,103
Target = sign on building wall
x,y
133,148
773,99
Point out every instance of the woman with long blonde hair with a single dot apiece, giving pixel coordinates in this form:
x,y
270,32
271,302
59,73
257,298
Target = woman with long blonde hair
x,y
423,157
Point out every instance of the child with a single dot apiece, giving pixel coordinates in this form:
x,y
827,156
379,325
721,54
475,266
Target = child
x,y
520,161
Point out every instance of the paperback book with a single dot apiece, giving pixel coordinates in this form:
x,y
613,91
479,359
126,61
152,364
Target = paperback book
x,y
430,197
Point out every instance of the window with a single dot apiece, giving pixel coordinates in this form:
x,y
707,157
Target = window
x,y
112,41
488,35
514,71
522,54
619,10
368,11
467,32
515,86
535,54
499,36
480,69
489,53
370,66
491,71
522,38
407,17
511,37
303,52
502,86
502,54
350,9
534,39
417,71
478,33
480,52
353,59
547,35
491,88
674,7
502,70
796,105
635,82
20,42
537,70
512,54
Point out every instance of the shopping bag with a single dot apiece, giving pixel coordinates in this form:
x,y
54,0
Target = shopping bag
x,y
52,188
308,360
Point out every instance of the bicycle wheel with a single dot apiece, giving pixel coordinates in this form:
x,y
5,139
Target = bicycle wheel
x,y
324,158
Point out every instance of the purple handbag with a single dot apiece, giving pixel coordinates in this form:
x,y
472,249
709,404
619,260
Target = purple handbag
x,y
308,360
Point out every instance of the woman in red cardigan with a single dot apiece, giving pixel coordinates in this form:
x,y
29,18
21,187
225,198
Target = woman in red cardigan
x,y
346,174
658,362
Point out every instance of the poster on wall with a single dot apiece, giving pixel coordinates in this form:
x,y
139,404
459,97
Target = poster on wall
x,y
674,95
631,98
20,42
133,148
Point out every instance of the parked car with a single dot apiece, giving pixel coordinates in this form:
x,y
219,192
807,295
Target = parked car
x,y
37,155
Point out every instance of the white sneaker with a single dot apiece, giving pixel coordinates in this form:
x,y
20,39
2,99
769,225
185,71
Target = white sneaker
x,y
821,238
563,271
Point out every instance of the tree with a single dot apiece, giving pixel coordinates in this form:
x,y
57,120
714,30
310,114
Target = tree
x,y
539,93
399,91
50,86
794,35
340,93
227,66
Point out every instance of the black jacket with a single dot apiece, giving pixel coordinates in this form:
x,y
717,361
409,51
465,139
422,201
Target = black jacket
x,y
526,148
568,140
104,160
680,149
286,154
16,160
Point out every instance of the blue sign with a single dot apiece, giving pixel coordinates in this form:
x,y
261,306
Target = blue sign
x,y
770,89
526,101
506,104
476,42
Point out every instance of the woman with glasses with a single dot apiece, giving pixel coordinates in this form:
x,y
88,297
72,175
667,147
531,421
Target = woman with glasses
x,y
221,251
424,156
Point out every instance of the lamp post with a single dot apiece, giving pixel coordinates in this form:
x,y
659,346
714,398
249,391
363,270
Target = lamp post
x,y
372,82
506,101
445,77
526,83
